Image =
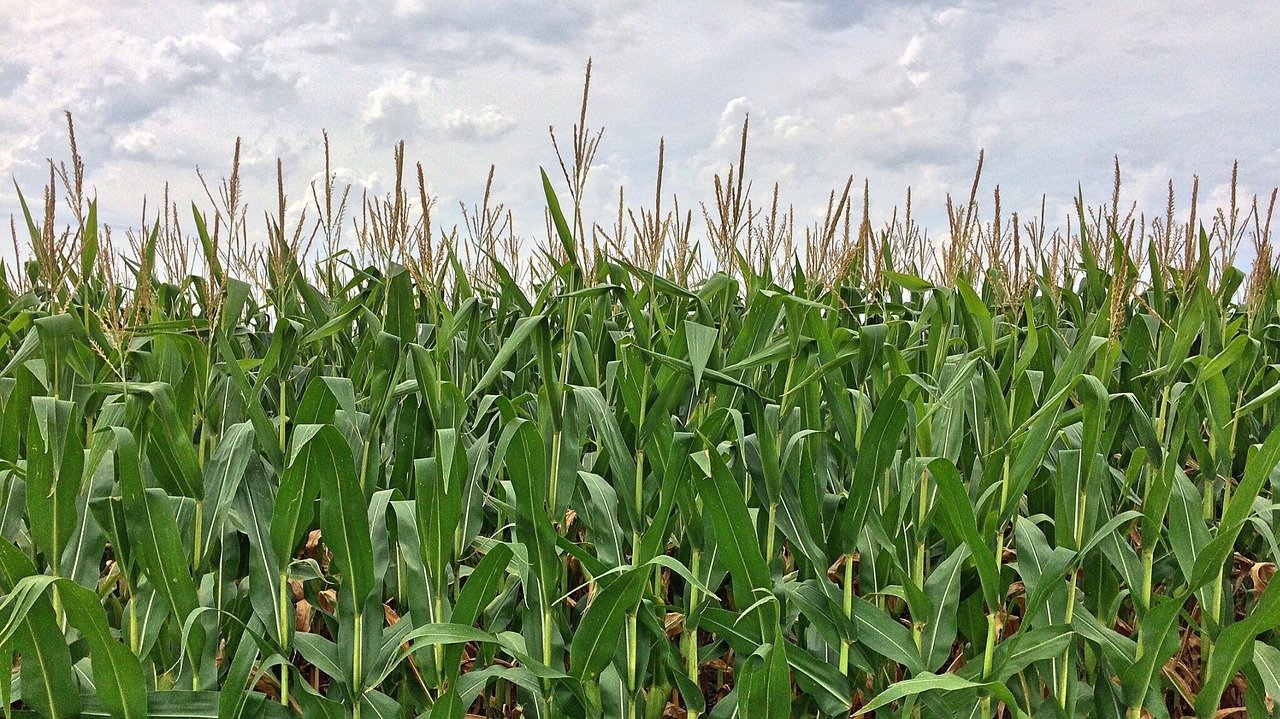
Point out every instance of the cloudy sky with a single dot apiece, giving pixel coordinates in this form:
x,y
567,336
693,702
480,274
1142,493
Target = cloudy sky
x,y
903,93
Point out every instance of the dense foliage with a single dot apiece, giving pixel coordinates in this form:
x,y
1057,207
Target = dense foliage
x,y
429,488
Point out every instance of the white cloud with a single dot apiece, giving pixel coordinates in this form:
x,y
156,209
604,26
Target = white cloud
x,y
912,61
790,127
135,142
392,96
731,118
489,123
903,92
912,53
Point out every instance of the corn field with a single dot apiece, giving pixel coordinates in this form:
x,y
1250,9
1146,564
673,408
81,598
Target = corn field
x,y
833,471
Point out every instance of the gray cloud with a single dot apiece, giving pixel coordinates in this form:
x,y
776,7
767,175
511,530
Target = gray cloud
x,y
901,92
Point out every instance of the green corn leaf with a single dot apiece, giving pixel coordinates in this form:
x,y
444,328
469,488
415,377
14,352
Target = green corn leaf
x,y
597,637
940,683
563,231
1266,659
223,474
942,590
344,522
480,589
153,533
874,455
740,550
701,343
1156,643
29,627
766,682
882,635
55,466
439,504
1258,470
1234,648
960,516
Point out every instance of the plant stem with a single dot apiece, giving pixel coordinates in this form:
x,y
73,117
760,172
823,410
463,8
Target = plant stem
x,y
632,651
357,658
988,659
633,637
770,530
438,610
918,569
1064,680
197,550
690,638
284,636
848,611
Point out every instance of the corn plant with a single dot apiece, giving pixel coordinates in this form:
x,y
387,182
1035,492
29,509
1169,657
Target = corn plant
x,y
408,480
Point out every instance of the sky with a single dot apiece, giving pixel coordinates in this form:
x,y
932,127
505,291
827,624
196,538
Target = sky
x,y
900,93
